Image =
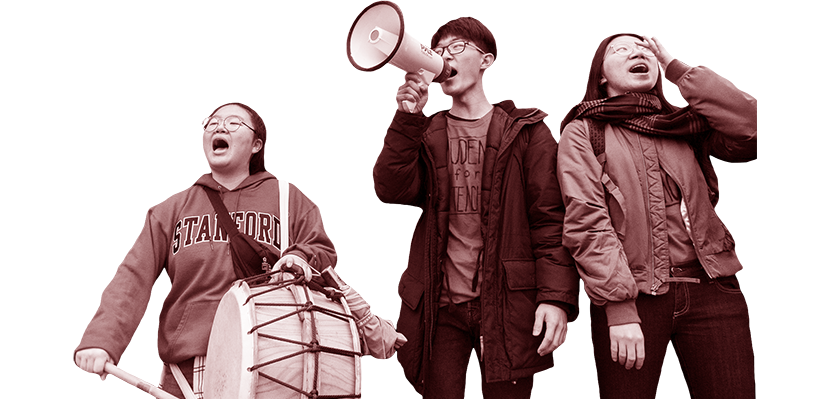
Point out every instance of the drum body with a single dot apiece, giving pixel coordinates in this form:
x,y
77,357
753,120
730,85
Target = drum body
x,y
282,340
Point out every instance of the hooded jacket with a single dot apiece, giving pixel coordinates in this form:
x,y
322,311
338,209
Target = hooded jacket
x,y
615,224
524,262
182,237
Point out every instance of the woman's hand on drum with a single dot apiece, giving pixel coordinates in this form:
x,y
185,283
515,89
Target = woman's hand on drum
x,y
294,264
93,360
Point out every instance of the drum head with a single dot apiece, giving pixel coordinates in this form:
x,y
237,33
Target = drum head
x,y
231,348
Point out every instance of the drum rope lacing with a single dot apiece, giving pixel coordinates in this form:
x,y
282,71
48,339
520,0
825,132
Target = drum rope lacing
x,y
313,347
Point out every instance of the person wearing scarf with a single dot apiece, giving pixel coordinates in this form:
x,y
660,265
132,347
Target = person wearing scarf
x,y
640,191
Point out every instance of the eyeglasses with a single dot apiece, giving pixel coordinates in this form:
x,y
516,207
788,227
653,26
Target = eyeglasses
x,y
456,48
627,48
232,123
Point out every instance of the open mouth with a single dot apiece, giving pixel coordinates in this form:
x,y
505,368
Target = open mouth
x,y
219,144
639,68
453,72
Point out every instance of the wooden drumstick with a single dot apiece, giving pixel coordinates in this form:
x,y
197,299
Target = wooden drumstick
x,y
137,382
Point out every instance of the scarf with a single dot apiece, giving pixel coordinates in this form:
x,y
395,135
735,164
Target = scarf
x,y
640,112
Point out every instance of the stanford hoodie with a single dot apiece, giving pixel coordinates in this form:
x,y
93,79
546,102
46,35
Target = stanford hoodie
x,y
182,237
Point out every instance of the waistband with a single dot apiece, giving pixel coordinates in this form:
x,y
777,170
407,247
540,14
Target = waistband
x,y
691,272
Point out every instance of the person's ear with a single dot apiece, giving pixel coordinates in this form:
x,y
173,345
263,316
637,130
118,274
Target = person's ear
x,y
487,60
257,146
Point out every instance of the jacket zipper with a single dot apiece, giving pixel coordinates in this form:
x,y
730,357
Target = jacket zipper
x,y
692,235
648,218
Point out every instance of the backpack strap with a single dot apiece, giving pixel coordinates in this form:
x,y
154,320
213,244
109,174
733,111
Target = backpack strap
x,y
596,134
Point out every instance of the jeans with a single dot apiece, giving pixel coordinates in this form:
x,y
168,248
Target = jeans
x,y
458,332
708,325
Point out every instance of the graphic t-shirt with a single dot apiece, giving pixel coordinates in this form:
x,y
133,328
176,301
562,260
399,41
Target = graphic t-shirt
x,y
467,141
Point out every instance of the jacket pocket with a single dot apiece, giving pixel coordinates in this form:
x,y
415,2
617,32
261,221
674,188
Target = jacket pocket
x,y
520,314
410,290
616,204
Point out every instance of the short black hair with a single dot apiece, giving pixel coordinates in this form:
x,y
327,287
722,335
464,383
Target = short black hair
x,y
467,28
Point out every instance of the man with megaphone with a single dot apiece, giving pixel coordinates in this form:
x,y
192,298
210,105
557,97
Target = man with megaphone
x,y
487,270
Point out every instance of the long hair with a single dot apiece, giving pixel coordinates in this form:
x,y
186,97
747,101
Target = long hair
x,y
597,90
257,162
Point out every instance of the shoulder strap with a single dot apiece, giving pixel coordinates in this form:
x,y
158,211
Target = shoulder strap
x,y
283,215
596,134
221,212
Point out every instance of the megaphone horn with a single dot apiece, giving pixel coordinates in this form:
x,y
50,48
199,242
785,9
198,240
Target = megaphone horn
x,y
377,37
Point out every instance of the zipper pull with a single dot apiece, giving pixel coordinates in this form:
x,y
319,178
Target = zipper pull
x,y
265,266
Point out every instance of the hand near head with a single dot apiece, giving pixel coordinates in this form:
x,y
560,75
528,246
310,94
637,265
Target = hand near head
x,y
628,345
93,360
555,321
414,91
663,56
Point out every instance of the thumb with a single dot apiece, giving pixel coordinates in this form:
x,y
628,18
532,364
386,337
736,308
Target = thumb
x,y
537,325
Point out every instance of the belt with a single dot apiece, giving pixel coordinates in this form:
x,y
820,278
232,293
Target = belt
x,y
691,272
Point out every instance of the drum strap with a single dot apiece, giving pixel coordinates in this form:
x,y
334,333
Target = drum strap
x,y
283,215
182,381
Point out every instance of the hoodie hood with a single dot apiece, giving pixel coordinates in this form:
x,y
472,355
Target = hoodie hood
x,y
256,178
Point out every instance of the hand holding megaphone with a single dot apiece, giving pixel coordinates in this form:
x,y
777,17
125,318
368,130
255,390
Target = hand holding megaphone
x,y
377,37
412,95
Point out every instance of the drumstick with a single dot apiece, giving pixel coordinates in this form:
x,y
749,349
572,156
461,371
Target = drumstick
x,y
137,382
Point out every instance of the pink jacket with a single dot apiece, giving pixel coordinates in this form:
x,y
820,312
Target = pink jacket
x,y
612,223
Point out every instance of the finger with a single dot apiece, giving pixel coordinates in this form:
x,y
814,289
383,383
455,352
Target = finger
x,y
548,343
641,356
631,356
559,337
657,43
98,365
614,351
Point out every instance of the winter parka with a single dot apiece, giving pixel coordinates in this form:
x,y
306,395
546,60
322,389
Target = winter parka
x,y
524,262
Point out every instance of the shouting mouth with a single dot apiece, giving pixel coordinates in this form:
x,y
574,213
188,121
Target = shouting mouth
x,y
639,68
220,144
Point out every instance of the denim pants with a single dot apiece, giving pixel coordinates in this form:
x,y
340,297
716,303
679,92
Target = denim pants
x,y
458,332
708,325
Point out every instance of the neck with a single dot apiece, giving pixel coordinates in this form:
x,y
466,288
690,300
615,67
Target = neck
x,y
229,180
472,104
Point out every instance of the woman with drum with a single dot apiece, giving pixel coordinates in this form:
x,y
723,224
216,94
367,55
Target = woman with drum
x,y
657,262
183,237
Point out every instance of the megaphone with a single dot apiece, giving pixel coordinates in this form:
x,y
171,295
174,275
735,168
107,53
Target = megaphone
x,y
377,37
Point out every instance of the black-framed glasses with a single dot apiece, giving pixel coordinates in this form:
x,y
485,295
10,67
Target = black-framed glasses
x,y
232,123
456,47
628,48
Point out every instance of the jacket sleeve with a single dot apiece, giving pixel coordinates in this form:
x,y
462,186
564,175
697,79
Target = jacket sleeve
x,y
556,276
588,233
308,237
732,113
399,172
125,299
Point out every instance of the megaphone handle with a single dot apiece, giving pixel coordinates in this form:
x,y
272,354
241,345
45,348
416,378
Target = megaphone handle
x,y
409,105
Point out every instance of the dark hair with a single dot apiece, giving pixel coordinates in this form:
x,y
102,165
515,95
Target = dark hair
x,y
257,162
597,90
467,28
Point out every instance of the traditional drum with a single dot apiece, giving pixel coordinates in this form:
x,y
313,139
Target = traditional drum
x,y
282,340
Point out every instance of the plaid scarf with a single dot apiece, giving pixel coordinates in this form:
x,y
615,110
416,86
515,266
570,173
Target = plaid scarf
x,y
640,112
